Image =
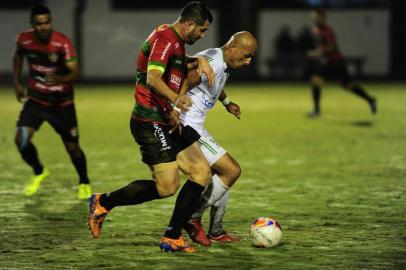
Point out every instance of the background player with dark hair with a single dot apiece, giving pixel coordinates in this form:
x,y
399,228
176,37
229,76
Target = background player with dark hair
x,y
327,62
53,67
161,70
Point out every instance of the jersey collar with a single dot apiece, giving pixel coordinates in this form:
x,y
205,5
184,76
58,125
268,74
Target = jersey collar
x,y
51,33
176,33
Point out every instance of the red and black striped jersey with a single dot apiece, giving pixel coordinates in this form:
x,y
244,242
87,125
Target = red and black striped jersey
x,y
325,37
43,58
163,50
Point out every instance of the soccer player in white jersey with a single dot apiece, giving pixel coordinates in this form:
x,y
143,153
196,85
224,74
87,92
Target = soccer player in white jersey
x,y
236,53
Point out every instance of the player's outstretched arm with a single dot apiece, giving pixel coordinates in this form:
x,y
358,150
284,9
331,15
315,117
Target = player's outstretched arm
x,y
231,107
18,61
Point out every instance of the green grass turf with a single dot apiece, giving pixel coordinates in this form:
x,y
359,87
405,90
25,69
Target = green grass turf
x,y
336,184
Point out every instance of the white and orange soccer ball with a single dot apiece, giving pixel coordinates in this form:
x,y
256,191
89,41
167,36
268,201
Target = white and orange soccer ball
x,y
265,232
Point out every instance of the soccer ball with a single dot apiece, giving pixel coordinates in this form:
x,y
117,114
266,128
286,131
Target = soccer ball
x,y
265,232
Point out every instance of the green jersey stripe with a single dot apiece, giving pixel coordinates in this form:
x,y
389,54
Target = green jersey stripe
x,y
211,149
147,113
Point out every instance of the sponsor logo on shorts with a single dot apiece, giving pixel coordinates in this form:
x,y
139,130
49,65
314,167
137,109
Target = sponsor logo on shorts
x,y
160,135
74,132
53,57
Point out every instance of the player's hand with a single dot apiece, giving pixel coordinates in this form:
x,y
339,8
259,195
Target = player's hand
x,y
183,102
234,109
314,53
174,122
51,78
204,67
19,91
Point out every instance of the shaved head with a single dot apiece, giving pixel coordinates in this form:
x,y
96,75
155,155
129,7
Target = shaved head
x,y
240,49
243,39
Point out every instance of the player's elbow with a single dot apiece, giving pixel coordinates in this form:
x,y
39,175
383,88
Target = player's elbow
x,y
193,79
76,75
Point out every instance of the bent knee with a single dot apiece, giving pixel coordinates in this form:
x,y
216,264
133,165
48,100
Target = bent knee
x,y
232,175
168,189
235,172
201,174
22,138
74,150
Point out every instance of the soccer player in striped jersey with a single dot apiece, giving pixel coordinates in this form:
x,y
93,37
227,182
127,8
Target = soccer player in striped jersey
x,y
237,53
328,63
53,67
161,71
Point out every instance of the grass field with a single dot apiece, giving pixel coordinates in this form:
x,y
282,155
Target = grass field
x,y
337,185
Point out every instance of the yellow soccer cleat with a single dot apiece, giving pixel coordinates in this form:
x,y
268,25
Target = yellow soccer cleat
x,y
84,191
35,183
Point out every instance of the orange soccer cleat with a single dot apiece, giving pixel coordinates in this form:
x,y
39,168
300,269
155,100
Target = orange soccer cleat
x,y
96,216
173,245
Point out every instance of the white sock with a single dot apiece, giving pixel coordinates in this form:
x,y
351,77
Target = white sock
x,y
219,189
216,215
213,193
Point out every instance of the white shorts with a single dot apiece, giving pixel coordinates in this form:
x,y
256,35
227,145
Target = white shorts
x,y
212,151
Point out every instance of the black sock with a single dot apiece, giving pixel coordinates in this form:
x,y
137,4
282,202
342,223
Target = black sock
x,y
81,167
359,91
30,155
186,202
136,192
316,94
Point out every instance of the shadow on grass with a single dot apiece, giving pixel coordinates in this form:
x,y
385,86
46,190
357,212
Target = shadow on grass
x,y
52,225
362,123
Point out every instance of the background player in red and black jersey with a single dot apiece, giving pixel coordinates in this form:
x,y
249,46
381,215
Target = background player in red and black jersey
x,y
162,67
327,62
52,68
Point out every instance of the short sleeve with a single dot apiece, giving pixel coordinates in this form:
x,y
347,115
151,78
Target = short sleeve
x,y
69,51
161,52
214,65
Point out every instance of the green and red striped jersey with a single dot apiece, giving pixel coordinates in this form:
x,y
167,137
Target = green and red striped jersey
x,y
163,50
43,58
325,37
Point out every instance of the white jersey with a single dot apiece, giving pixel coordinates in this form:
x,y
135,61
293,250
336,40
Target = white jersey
x,y
204,97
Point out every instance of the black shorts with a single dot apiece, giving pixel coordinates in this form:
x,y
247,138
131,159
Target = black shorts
x,y
61,118
156,144
336,71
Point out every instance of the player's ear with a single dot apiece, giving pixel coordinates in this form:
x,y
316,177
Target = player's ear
x,y
190,26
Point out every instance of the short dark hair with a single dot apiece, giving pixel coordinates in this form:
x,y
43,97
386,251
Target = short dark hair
x,y
321,12
39,9
196,11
